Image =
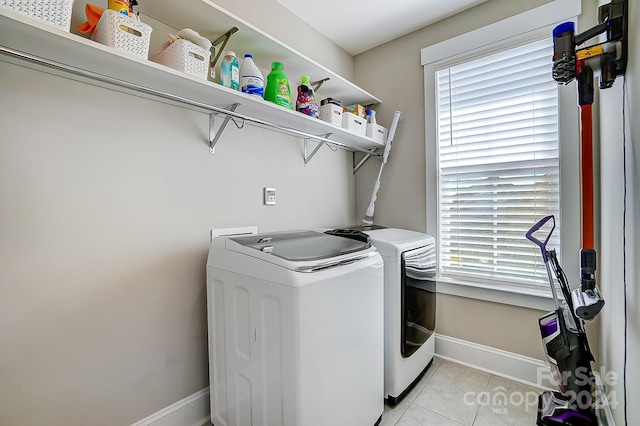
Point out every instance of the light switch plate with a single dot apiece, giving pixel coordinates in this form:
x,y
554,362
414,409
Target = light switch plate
x,y
269,196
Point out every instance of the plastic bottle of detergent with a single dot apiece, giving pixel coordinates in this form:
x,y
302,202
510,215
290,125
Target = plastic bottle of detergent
x,y
307,102
251,79
229,71
277,89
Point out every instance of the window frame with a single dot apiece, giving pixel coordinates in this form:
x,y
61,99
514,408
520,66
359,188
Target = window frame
x,y
521,29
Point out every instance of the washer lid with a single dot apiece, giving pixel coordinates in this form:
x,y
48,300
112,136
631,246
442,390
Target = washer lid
x,y
302,246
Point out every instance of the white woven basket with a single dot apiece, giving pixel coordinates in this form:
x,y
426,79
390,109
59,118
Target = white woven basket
x,y
376,132
354,123
55,12
187,57
121,32
331,113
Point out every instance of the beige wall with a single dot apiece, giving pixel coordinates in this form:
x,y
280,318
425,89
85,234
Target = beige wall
x,y
490,324
393,71
106,204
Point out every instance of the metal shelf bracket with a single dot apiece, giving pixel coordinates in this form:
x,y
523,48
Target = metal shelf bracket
x,y
363,160
308,158
215,135
317,84
224,38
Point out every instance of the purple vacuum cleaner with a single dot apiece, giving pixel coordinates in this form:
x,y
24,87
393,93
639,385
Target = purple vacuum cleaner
x,y
567,348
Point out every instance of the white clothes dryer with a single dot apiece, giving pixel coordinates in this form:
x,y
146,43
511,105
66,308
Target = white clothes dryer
x,y
295,330
410,306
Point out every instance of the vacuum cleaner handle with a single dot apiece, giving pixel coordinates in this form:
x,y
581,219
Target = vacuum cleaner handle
x,y
536,227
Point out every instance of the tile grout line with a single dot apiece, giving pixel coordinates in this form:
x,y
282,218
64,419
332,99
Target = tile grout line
x,y
486,388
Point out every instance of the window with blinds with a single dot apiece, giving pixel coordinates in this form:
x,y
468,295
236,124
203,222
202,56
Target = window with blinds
x,y
498,158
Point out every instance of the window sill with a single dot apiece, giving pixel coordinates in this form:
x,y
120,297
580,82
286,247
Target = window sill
x,y
516,296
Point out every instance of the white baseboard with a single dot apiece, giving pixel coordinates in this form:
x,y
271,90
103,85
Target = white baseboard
x,y
520,368
191,411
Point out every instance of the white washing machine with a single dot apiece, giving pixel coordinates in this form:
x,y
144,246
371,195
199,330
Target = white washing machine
x,y
410,306
295,330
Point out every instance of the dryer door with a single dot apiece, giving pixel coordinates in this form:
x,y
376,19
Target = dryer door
x,y
418,298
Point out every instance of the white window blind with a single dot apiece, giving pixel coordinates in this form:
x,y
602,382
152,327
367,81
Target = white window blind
x,y
498,163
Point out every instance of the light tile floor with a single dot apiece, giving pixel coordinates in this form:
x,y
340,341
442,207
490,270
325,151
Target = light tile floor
x,y
450,394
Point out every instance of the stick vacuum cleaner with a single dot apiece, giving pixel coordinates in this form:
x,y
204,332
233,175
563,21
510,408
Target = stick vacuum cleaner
x,y
562,330
572,61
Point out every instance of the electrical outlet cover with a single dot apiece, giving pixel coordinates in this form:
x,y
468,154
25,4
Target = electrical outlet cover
x,y
269,196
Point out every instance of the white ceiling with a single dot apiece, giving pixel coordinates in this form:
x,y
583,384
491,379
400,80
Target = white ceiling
x,y
358,25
